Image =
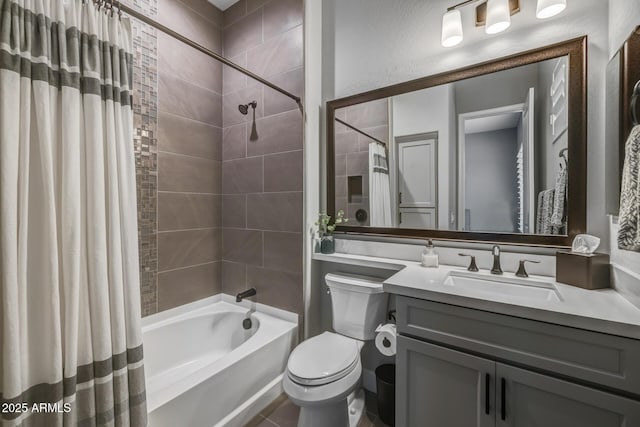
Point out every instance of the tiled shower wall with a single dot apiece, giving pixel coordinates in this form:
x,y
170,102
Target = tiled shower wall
x,y
189,154
352,154
262,174
178,142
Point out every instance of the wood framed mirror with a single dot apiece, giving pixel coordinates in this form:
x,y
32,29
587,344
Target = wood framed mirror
x,y
491,152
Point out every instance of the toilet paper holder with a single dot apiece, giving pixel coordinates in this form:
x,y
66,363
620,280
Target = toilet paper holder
x,y
390,316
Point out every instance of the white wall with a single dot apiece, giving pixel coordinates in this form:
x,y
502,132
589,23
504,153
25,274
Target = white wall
x,y
430,110
380,42
314,120
624,17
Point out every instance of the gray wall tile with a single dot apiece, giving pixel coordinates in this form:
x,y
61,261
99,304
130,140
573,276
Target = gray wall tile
x,y
242,176
230,113
358,163
280,16
243,34
276,134
341,164
234,214
184,99
282,251
369,114
237,11
180,211
254,4
283,172
180,135
189,247
234,277
233,80
275,102
177,172
346,142
266,186
187,22
242,246
277,288
275,211
234,142
206,10
186,63
277,55
185,285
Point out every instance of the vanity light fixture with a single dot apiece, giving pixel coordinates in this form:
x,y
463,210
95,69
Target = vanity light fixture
x,y
494,15
498,16
451,28
548,8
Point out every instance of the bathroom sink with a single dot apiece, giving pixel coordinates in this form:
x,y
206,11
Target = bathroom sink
x,y
509,287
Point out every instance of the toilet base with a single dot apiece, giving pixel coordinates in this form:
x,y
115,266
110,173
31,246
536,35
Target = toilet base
x,y
344,413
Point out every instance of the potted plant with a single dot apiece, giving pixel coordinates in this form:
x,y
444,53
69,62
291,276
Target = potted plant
x,y
326,229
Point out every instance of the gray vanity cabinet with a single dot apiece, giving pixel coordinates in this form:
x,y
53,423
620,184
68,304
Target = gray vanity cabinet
x,y
440,387
533,399
456,368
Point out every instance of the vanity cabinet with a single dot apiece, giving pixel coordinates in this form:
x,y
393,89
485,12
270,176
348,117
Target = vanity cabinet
x,y
442,388
459,367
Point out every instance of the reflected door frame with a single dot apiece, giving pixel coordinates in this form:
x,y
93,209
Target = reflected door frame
x,y
462,117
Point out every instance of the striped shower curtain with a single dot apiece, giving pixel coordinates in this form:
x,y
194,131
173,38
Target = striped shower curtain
x,y
379,187
70,337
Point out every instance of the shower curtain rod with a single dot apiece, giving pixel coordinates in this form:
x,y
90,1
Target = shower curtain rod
x,y
359,131
135,14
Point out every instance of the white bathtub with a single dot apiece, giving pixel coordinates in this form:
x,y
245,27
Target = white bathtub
x,y
204,369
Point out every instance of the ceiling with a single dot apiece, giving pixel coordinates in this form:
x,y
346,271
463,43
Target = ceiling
x,y
223,4
492,123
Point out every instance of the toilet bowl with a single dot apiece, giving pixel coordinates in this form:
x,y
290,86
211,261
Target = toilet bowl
x,y
324,373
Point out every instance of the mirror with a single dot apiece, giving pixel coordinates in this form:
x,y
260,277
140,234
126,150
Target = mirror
x,y
493,152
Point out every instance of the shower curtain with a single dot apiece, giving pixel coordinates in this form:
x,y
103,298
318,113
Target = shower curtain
x,y
380,192
71,342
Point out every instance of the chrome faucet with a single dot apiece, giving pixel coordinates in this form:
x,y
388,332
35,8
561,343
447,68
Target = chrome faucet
x,y
246,294
496,269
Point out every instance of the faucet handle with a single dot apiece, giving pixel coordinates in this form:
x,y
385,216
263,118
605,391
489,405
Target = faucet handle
x,y
522,272
472,264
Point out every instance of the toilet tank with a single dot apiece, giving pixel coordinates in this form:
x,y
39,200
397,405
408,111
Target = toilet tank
x,y
358,304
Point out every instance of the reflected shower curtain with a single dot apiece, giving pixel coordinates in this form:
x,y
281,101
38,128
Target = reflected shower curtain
x,y
69,290
379,190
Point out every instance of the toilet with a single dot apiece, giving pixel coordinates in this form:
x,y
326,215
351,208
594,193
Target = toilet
x,y
324,373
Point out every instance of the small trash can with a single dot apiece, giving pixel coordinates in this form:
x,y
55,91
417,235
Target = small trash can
x,y
386,392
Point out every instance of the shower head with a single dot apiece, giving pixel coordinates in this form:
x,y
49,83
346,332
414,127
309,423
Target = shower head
x,y
244,108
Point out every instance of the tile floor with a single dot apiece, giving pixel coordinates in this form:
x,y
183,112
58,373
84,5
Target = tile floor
x,y
283,413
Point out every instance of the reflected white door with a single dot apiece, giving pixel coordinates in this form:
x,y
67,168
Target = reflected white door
x,y
417,183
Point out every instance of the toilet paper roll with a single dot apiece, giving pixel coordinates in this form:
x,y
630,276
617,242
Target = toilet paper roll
x,y
386,339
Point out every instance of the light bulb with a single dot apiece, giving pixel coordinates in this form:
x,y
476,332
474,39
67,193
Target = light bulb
x,y
548,8
451,28
498,16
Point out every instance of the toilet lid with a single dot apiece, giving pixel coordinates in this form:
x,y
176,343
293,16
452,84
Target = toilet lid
x,y
323,359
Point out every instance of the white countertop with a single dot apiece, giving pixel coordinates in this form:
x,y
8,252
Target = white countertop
x,y
602,310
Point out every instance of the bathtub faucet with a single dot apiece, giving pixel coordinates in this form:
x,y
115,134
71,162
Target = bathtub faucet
x,y
245,294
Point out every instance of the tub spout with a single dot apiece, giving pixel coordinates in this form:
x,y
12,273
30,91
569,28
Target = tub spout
x,y
245,294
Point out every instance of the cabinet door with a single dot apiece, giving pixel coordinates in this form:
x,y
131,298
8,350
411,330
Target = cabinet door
x,y
536,400
438,387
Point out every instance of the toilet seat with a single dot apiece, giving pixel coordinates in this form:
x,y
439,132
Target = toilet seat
x,y
323,359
